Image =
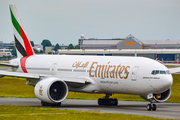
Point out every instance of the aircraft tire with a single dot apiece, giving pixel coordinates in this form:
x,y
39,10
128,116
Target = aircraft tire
x,y
149,107
43,103
100,102
154,107
115,102
107,102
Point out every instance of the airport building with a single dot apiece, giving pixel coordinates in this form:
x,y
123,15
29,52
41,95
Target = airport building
x,y
5,52
6,45
130,42
164,50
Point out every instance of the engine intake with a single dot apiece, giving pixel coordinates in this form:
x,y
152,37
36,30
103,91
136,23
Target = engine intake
x,y
51,90
163,96
160,97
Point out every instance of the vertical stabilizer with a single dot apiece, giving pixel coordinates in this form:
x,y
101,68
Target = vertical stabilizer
x,y
23,46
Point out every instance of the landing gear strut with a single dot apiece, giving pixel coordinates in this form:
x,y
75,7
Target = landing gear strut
x,y
151,106
107,102
50,104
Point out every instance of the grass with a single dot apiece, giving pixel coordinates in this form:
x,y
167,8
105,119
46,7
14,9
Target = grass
x,y
175,95
16,87
41,113
172,66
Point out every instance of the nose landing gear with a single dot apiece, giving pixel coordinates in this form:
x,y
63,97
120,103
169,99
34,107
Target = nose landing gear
x,y
151,107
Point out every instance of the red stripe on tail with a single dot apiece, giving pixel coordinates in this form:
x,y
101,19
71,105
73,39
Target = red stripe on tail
x,y
28,47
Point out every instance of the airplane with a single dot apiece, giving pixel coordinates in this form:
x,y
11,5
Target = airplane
x,y
53,76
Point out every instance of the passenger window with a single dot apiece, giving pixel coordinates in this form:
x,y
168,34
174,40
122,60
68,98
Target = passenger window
x,y
162,72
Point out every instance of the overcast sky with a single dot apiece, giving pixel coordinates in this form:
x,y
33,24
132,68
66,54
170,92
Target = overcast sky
x,y
63,21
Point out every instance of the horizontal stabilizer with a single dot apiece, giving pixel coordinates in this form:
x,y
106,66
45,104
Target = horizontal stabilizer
x,y
9,65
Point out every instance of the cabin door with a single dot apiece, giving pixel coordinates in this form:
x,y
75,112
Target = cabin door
x,y
54,69
134,73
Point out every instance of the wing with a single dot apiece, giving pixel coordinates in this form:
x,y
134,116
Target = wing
x,y
174,70
77,82
71,82
9,65
20,75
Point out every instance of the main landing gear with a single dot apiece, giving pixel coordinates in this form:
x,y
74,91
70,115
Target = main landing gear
x,y
50,104
151,106
107,102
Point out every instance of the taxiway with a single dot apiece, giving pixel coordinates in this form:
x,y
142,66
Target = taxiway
x,y
164,110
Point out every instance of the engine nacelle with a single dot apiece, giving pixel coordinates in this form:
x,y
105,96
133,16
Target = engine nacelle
x,y
51,90
160,97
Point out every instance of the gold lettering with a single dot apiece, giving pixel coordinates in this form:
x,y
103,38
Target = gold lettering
x,y
126,72
85,65
112,72
102,71
99,71
120,71
110,66
117,70
79,65
105,71
92,66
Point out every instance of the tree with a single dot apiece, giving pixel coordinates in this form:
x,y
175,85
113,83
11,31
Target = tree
x,y
32,43
45,43
77,47
49,52
36,51
41,51
70,46
57,47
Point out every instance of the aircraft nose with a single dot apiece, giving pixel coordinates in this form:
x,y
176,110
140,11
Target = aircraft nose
x,y
167,81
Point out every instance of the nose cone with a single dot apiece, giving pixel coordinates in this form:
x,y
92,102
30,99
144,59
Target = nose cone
x,y
167,81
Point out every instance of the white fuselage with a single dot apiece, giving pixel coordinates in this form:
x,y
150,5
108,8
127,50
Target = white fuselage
x,y
108,74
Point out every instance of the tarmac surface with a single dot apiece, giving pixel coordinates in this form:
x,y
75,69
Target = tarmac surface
x,y
164,110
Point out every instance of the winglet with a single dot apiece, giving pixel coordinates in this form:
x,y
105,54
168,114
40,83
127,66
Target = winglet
x,y
23,46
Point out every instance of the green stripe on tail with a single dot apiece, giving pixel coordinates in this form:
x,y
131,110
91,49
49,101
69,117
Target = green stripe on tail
x,y
15,23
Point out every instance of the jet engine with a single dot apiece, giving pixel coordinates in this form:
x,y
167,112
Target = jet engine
x,y
161,97
51,90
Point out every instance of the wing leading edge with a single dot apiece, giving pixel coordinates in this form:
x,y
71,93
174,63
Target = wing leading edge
x,y
72,82
174,70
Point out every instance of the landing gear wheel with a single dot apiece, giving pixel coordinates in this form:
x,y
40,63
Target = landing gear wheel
x,y
49,104
115,102
149,107
107,102
43,103
154,107
58,104
100,101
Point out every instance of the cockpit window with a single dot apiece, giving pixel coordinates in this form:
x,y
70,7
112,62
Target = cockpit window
x,y
154,72
162,72
167,72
